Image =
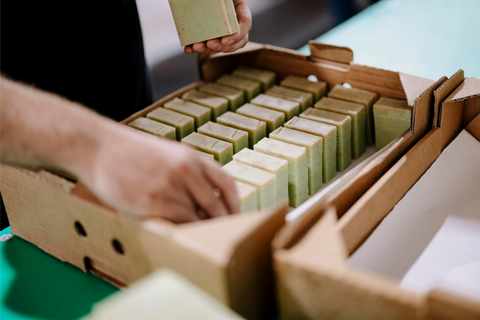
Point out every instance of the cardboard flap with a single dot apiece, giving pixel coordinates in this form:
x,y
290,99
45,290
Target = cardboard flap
x,y
470,88
474,127
443,92
321,52
445,305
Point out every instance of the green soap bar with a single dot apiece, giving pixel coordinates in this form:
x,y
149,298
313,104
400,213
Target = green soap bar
x,y
184,125
289,108
249,87
318,89
266,78
263,180
221,150
314,153
354,110
360,96
344,132
205,155
304,98
297,167
273,119
392,118
238,138
257,130
247,194
329,135
198,21
153,127
218,105
278,167
236,98
201,114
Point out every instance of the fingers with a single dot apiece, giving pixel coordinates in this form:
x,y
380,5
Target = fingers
x,y
188,50
244,17
236,46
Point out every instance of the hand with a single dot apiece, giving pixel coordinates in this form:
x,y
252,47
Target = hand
x,y
229,43
151,177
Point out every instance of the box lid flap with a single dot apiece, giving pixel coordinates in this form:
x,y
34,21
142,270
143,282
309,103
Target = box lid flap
x,y
320,52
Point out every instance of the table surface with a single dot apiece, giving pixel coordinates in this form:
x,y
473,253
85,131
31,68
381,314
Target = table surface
x,y
428,38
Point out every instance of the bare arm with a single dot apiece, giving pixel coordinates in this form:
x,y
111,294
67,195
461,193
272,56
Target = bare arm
x,y
133,173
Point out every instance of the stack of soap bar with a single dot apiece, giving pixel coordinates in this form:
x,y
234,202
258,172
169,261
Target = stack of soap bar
x,y
257,130
263,180
357,113
329,136
198,21
297,167
304,98
314,147
278,167
249,87
201,114
318,89
184,125
392,118
273,119
221,150
289,108
205,155
266,78
247,194
218,105
344,132
238,138
236,98
362,97
153,127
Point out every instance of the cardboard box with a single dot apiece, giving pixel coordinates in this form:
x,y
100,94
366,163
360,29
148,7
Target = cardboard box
x,y
230,258
314,278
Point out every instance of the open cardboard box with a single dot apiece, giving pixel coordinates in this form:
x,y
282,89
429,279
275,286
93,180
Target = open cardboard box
x,y
230,257
311,255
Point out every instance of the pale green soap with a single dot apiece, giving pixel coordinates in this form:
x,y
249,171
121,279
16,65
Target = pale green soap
x,y
297,167
344,133
205,155
265,77
221,150
357,112
200,113
238,138
278,167
263,180
249,87
218,105
314,145
247,195
363,97
236,98
304,98
272,118
289,108
392,118
257,130
318,89
154,127
329,135
184,125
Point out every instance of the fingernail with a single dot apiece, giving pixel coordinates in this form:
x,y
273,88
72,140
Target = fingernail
x,y
229,43
215,46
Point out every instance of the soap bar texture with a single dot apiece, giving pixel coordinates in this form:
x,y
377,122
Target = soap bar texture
x,y
272,118
344,133
184,125
236,98
154,127
297,167
263,180
221,150
314,146
304,98
247,194
318,89
257,130
218,105
289,108
198,21
357,113
278,167
363,97
201,114
265,77
238,138
205,155
249,87
329,136
392,118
